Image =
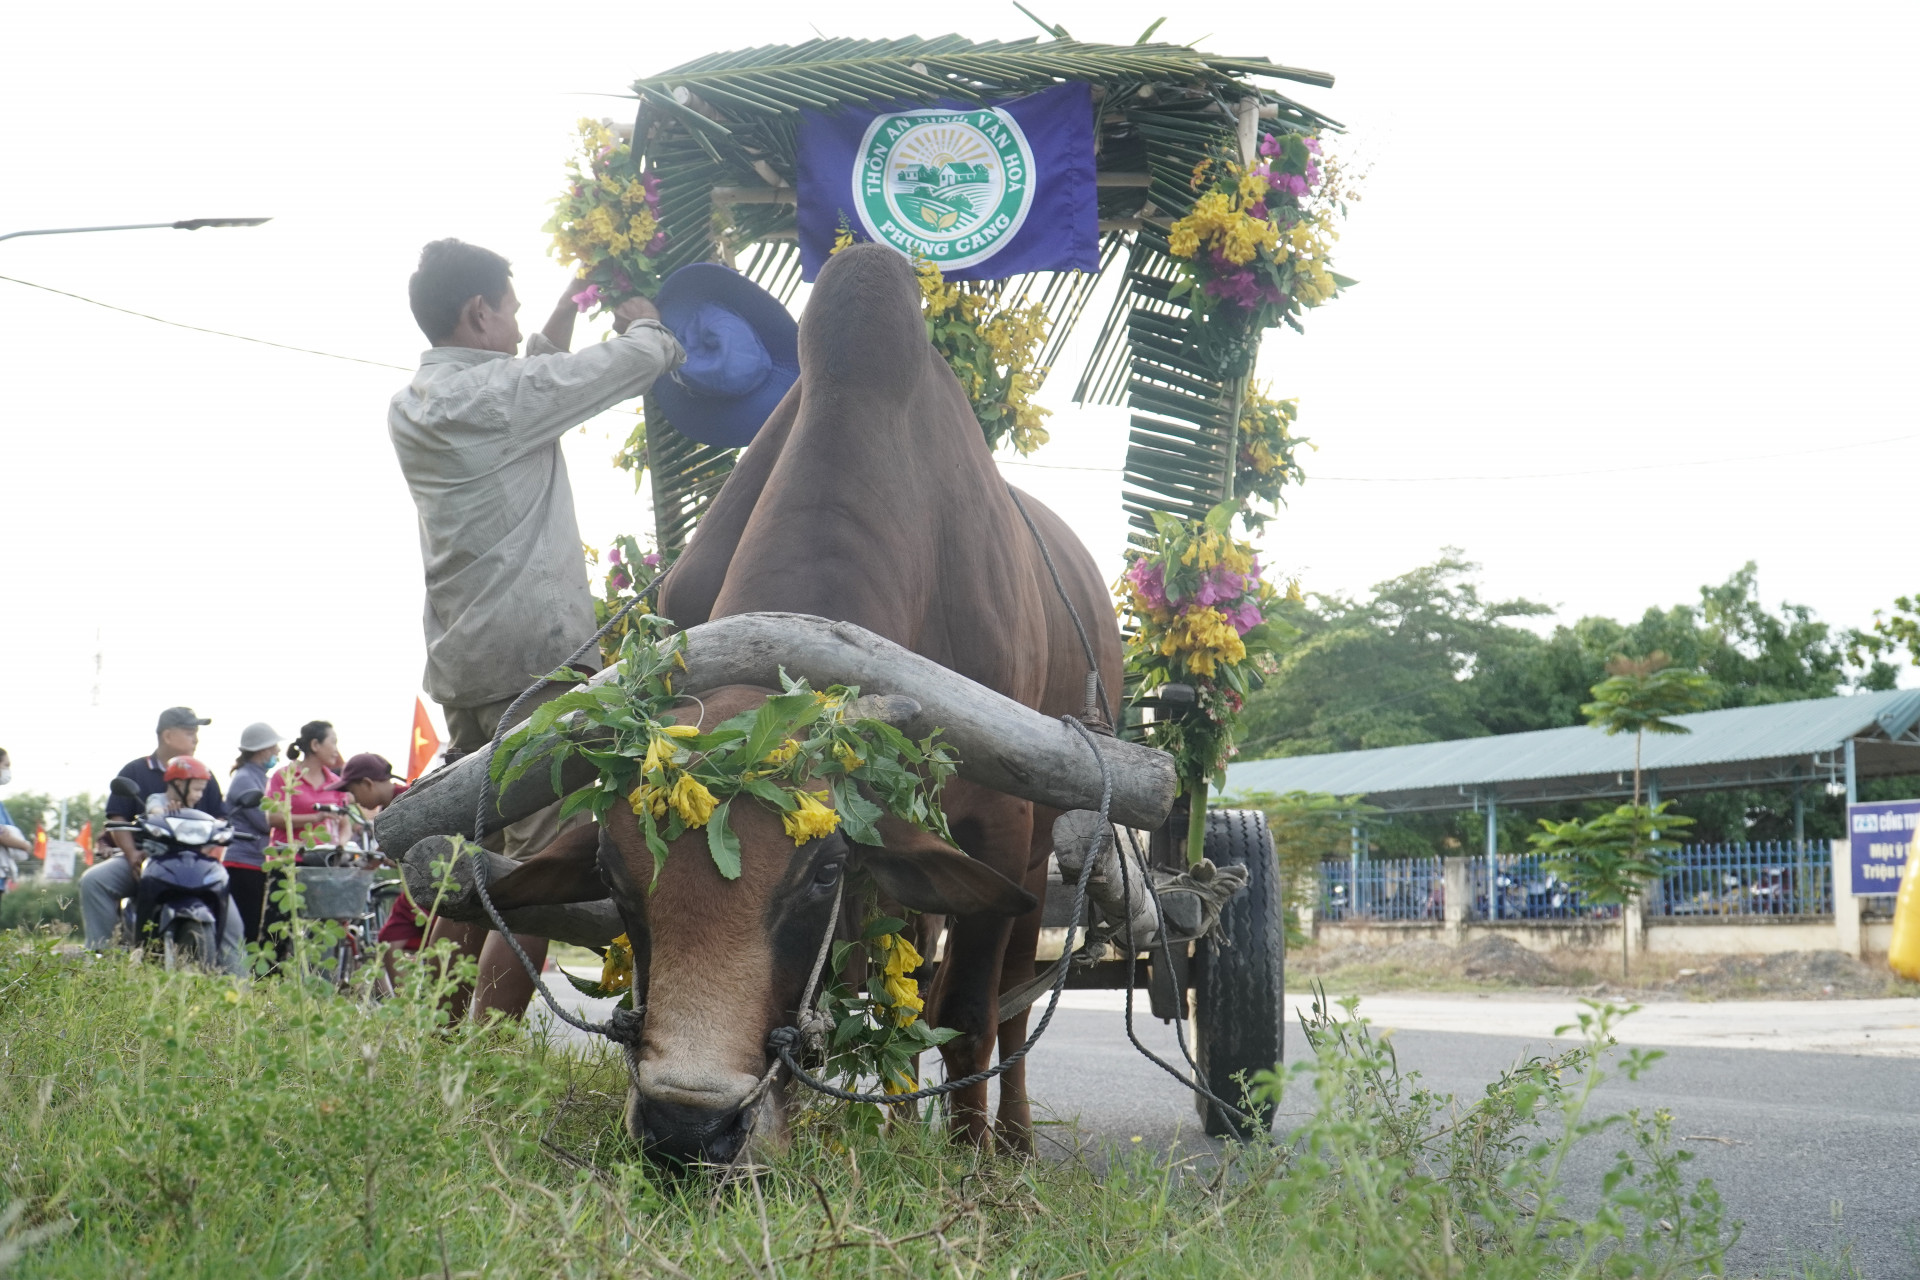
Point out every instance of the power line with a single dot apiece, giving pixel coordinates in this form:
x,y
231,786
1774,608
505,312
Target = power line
x,y
218,333
1053,466
1533,475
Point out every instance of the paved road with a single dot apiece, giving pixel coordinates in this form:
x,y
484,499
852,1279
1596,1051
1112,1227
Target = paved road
x,y
1791,1137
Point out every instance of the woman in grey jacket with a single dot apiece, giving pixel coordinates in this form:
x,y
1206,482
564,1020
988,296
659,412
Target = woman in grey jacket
x,y
246,858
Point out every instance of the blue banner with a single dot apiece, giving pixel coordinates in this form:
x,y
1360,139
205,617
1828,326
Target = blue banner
x,y
981,191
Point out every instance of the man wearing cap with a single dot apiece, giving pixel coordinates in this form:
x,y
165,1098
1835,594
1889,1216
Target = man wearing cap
x,y
370,780
106,884
477,432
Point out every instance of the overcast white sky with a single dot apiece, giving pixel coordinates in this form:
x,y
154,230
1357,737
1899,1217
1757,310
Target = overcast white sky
x,y
1669,236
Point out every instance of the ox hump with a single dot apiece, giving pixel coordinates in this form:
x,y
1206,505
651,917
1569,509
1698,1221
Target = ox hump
x,y
863,330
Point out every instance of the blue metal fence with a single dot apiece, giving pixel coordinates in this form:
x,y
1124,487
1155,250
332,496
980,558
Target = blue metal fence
x,y
1385,889
1704,881
1773,878
1526,890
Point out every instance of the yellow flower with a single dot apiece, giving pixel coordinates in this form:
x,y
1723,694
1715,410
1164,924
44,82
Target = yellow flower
x,y
1253,186
616,966
841,238
849,758
781,754
1202,638
692,801
680,730
648,799
811,821
902,992
659,757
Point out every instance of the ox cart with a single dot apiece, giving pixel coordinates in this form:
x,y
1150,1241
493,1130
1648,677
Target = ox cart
x,y
1176,134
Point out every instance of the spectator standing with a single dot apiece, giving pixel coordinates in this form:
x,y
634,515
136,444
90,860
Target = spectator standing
x,y
107,884
246,859
13,842
477,432
308,780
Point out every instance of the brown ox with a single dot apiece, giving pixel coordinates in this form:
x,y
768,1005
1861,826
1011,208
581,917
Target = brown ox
x,y
869,497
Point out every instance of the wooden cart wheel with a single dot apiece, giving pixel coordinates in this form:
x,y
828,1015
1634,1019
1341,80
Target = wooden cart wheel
x,y
1239,980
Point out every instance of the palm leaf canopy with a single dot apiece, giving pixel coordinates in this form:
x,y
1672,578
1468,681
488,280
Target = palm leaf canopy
x,y
720,133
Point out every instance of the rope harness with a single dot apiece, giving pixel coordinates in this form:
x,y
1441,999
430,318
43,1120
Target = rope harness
x,y
807,1034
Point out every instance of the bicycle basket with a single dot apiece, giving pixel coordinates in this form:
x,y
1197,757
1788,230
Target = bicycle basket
x,y
333,893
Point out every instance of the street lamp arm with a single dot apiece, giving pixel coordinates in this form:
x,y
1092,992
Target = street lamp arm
x,y
185,224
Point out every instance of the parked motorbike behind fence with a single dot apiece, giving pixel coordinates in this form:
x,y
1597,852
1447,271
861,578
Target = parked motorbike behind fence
x,y
181,898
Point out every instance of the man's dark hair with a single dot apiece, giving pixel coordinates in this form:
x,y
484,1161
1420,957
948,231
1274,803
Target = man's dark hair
x,y
451,271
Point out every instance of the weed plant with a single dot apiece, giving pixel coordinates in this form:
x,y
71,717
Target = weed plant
x,y
156,1124
37,903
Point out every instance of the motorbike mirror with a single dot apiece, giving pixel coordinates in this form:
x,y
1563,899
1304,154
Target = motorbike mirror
x,y
245,800
125,787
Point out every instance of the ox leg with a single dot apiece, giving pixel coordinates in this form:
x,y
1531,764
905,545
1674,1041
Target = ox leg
x,y
1014,1125
997,830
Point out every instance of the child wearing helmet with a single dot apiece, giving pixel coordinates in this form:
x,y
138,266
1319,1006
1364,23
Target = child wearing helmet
x,y
186,780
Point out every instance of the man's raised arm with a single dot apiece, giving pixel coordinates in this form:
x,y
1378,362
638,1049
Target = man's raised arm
x,y
558,390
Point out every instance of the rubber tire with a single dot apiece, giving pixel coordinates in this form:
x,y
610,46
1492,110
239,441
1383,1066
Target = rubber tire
x,y
1239,990
194,946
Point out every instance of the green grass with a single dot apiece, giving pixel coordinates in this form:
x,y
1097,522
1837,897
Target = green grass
x,y
170,1125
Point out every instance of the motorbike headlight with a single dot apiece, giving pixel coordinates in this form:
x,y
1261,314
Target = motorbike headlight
x,y
193,830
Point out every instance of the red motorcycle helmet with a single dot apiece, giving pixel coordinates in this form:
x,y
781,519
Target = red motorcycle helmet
x,y
187,767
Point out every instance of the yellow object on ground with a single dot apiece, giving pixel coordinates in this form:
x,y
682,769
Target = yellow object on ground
x,y
1903,952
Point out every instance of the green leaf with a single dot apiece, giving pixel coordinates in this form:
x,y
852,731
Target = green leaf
x,y
723,844
857,814
586,987
880,926
777,796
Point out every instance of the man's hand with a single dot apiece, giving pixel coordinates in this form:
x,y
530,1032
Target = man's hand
x,y
631,310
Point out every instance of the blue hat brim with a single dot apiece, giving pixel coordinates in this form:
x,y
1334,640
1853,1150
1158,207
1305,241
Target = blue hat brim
x,y
727,422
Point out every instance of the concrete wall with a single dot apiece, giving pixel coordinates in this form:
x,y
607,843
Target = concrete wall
x,y
1845,930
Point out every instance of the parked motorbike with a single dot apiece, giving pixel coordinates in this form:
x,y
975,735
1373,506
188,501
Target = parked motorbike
x,y
181,898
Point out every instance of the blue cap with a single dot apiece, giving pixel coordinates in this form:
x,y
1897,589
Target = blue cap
x,y
743,353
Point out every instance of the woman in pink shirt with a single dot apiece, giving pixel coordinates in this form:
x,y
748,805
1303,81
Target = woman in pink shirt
x,y
310,779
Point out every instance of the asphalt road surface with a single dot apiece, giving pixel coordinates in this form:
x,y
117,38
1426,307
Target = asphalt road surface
x,y
1815,1152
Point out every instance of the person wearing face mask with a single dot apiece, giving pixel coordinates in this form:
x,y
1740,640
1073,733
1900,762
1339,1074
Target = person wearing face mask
x,y
246,858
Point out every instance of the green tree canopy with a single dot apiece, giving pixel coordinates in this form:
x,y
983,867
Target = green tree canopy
x,y
1427,659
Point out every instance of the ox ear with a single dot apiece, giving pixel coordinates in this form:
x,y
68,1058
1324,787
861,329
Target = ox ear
x,y
923,873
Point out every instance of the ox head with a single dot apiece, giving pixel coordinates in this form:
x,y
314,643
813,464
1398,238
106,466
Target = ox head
x,y
718,963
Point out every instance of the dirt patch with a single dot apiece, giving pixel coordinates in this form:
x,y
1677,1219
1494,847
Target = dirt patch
x,y
1495,963
1504,960
1791,975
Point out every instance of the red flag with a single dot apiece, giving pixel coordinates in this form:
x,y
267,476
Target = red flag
x,y
86,842
425,744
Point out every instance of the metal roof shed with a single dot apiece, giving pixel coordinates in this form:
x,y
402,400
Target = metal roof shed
x,y
1820,740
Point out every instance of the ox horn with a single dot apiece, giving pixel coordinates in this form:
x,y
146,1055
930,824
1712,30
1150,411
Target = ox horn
x,y
1001,744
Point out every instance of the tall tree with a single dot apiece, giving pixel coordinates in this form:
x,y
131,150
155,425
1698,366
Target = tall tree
x,y
1641,696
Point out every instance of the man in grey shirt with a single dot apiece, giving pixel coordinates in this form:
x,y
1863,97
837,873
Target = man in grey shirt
x,y
477,433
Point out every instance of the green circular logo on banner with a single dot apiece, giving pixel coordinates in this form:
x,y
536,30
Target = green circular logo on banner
x,y
949,186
